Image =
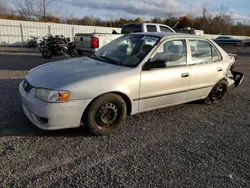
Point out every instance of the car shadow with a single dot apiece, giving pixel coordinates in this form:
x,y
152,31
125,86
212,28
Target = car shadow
x,y
241,51
24,62
13,122
245,54
19,50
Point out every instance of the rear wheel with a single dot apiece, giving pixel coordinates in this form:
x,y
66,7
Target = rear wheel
x,y
79,52
41,48
73,53
217,94
105,114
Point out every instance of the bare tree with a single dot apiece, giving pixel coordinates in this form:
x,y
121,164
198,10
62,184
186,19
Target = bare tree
x,y
192,12
170,15
111,18
171,19
38,9
204,13
223,10
4,8
49,7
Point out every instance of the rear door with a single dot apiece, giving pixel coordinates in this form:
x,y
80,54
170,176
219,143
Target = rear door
x,y
206,68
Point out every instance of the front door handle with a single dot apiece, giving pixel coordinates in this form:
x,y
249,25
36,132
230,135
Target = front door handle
x,y
186,74
219,69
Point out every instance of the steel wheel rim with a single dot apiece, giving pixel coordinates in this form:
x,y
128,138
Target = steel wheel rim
x,y
107,115
218,93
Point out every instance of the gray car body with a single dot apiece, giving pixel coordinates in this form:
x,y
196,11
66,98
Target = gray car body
x,y
87,78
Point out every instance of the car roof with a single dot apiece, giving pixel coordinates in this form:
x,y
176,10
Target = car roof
x,y
170,35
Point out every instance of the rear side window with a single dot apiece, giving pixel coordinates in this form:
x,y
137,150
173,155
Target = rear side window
x,y
203,52
165,29
151,28
131,28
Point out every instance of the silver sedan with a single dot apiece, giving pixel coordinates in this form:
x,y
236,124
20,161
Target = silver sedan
x,y
134,73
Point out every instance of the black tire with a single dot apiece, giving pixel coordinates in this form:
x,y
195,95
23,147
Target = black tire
x,y
105,114
217,93
41,48
79,52
47,54
73,53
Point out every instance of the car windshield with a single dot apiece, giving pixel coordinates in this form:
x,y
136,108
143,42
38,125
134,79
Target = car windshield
x,y
127,50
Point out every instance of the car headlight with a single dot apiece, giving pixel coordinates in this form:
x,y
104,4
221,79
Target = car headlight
x,y
52,95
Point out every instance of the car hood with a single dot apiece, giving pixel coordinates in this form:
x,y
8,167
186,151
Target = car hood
x,y
57,74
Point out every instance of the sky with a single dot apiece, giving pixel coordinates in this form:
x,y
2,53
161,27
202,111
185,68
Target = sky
x,y
111,9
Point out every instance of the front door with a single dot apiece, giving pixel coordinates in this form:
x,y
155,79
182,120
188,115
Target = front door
x,y
166,86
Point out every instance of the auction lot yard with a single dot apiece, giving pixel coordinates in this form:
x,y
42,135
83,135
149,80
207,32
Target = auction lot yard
x,y
189,145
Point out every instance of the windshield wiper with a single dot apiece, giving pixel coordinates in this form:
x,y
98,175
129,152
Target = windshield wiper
x,y
110,59
93,56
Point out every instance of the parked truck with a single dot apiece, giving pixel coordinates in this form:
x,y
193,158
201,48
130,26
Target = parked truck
x,y
91,42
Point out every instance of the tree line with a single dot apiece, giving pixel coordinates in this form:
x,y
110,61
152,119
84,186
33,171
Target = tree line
x,y
47,10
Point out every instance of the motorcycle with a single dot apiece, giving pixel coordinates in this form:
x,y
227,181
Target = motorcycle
x,y
58,47
46,39
33,42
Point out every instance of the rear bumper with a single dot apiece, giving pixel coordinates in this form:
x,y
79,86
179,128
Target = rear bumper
x,y
238,78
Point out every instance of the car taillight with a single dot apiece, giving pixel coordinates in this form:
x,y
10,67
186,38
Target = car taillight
x,y
94,42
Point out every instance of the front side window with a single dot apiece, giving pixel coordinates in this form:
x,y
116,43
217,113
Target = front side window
x,y
128,50
174,53
203,52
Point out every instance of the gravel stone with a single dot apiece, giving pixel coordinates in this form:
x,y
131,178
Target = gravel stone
x,y
189,145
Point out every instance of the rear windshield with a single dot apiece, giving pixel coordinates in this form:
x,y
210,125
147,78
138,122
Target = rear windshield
x,y
131,28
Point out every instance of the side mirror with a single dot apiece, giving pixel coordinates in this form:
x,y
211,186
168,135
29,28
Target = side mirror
x,y
154,64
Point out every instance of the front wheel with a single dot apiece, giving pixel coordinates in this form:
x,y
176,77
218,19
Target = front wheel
x,y
47,54
105,114
217,94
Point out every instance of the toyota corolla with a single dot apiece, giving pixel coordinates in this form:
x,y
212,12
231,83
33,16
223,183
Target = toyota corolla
x,y
134,73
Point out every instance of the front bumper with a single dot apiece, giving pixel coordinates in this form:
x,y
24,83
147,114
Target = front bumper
x,y
52,116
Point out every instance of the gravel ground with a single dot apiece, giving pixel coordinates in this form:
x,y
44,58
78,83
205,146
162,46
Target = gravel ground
x,y
190,145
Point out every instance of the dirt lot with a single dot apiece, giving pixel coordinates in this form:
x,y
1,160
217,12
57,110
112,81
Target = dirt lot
x,y
190,145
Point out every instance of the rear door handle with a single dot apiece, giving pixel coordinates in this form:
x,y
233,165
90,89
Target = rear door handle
x,y
219,69
186,74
